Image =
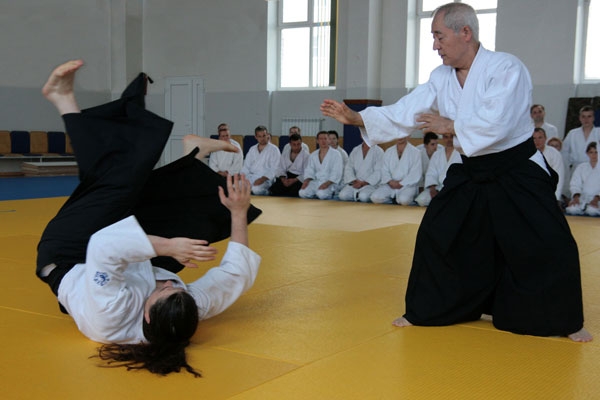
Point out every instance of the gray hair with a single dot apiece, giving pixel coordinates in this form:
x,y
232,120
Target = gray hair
x,y
458,15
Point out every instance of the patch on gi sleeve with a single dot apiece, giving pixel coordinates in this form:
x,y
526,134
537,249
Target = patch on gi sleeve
x,y
101,278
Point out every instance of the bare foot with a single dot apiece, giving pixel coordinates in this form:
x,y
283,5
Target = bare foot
x,y
401,322
581,336
487,317
206,145
59,87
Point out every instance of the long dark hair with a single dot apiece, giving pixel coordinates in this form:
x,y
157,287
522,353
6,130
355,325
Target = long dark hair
x,y
173,322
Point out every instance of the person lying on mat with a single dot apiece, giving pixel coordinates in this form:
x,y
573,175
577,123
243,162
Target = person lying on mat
x,y
112,252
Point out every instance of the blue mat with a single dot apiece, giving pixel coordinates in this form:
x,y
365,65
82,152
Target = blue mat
x,y
37,187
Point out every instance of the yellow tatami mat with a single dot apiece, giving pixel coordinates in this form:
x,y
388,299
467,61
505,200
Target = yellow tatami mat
x,y
316,325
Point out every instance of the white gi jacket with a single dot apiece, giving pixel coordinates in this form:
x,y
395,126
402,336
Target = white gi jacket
x,y
106,295
258,164
586,182
438,166
296,167
574,146
490,113
366,169
226,160
331,169
407,169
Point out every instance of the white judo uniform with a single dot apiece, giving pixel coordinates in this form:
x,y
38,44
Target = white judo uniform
x,y
586,182
331,169
555,159
226,161
406,169
436,173
551,131
366,169
574,146
106,295
261,163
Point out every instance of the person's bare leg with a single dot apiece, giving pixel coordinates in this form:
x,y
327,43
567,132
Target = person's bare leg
x,y
59,87
401,322
206,145
581,335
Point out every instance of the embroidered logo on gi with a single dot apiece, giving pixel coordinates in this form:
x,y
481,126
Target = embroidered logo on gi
x,y
101,278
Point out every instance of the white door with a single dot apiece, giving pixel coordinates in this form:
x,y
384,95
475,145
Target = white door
x,y
184,105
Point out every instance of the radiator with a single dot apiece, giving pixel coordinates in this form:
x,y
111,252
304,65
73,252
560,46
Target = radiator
x,y
308,126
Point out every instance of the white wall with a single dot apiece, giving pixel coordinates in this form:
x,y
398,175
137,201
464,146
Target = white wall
x,y
225,42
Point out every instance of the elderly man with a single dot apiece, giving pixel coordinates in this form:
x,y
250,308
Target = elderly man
x,y
482,246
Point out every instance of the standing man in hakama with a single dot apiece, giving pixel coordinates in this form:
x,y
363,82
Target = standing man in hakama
x,y
493,241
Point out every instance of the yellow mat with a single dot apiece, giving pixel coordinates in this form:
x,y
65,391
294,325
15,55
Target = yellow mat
x,y
316,325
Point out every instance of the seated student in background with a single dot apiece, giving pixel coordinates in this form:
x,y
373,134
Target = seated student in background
x,y
576,142
538,114
261,162
290,174
224,162
429,146
400,174
436,173
556,143
553,157
333,139
286,148
324,171
585,186
362,173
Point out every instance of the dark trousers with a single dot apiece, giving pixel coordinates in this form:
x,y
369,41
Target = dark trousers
x,y
279,189
494,241
117,146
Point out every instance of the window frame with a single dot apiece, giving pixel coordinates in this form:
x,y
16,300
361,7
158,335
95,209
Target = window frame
x,y
310,24
582,33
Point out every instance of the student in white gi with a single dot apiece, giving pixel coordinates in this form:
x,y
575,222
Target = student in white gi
x,y
261,163
400,174
226,162
436,172
362,173
482,246
286,149
334,138
554,158
429,146
538,115
290,174
116,279
324,171
578,139
585,186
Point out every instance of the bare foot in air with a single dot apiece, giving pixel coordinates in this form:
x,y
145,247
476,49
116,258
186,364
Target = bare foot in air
x,y
59,87
581,335
206,145
401,322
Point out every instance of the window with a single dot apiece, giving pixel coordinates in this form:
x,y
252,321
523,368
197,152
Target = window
x,y
307,47
428,59
591,56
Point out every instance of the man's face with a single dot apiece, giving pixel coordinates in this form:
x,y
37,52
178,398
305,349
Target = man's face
x,y
323,141
448,140
451,47
587,119
224,134
538,114
262,137
333,140
539,139
296,146
431,147
294,130
401,144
